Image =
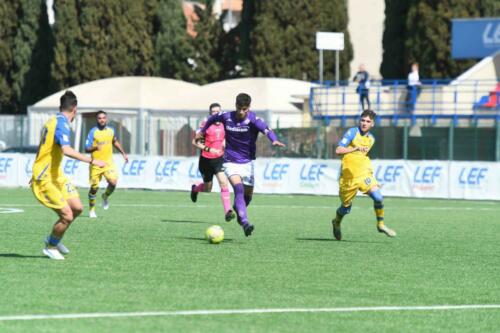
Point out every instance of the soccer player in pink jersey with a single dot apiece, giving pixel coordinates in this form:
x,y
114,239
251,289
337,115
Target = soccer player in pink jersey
x,y
211,160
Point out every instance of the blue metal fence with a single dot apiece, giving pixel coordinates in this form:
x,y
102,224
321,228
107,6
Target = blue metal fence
x,y
394,99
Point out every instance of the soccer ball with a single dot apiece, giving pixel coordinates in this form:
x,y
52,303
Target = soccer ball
x,y
214,234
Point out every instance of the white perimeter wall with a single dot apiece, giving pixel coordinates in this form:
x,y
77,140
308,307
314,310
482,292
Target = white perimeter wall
x,y
419,179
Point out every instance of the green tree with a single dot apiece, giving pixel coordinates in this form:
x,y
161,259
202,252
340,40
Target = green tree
x,y
394,61
103,39
420,31
282,37
206,45
172,43
8,18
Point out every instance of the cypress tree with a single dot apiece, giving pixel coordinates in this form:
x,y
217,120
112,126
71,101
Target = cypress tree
x,y
172,43
283,37
8,17
420,31
206,45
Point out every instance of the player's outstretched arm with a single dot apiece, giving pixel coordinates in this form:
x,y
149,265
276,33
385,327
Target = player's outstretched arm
x,y
70,152
118,146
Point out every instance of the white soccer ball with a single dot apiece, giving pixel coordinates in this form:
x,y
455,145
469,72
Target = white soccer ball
x,y
214,234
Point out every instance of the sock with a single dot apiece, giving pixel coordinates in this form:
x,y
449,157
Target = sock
x,y
239,203
92,201
379,213
53,241
226,199
341,212
199,188
109,190
248,199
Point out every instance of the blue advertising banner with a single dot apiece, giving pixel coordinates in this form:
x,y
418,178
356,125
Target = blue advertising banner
x,y
474,38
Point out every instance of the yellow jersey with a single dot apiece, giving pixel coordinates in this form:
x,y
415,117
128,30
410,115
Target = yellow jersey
x,y
102,138
356,164
55,134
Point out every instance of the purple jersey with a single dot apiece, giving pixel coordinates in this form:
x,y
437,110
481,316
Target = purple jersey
x,y
240,135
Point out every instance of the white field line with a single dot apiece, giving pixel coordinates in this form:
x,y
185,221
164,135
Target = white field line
x,y
6,210
248,311
333,206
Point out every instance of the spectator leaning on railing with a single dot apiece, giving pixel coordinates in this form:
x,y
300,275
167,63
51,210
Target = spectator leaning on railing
x,y
413,87
362,78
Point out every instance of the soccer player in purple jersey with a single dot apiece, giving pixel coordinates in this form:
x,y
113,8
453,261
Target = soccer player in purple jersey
x,y
242,128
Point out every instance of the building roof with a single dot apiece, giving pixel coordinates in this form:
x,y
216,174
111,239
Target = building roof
x,y
154,93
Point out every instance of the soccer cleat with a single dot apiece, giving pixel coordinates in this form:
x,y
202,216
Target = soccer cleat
x,y
53,253
337,233
248,229
230,215
194,194
105,202
63,249
92,214
387,231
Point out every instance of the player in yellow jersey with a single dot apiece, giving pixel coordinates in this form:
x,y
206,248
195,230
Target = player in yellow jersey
x,y
100,142
357,173
48,183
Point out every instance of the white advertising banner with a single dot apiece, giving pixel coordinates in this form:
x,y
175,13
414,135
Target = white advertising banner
x,y
419,179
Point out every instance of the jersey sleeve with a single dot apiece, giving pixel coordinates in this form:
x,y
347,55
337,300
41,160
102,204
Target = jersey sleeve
x,y
265,129
90,139
62,133
216,118
348,137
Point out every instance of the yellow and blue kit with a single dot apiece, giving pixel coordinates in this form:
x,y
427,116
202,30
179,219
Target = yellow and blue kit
x,y
103,139
357,171
48,183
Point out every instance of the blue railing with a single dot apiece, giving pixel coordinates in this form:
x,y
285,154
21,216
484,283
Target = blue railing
x,y
394,99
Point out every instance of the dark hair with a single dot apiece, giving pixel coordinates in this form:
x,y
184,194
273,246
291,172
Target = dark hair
x,y
368,113
213,105
243,100
100,112
68,101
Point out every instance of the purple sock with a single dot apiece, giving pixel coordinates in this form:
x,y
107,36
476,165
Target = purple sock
x,y
239,203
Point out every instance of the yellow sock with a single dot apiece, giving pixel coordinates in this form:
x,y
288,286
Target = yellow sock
x,y
92,201
379,213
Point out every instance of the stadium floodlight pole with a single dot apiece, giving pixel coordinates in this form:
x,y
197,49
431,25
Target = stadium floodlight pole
x,y
337,68
321,67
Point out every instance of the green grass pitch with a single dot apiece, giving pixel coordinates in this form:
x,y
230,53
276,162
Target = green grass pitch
x,y
147,253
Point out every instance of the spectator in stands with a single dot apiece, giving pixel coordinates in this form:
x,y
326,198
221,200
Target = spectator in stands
x,y
413,87
362,78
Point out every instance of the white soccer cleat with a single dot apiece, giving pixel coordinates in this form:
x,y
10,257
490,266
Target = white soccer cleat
x,y
387,231
92,214
53,253
63,249
105,202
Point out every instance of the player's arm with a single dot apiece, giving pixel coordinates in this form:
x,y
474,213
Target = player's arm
x,y
216,118
118,146
89,143
343,147
70,152
61,138
264,129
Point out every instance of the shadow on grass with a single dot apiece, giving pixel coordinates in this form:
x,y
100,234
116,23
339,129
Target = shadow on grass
x,y
186,221
17,255
334,240
203,239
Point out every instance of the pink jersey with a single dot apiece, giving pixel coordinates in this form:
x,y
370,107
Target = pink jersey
x,y
214,138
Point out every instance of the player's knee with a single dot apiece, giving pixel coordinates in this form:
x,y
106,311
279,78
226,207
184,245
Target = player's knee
x,y
377,197
343,210
66,215
77,210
